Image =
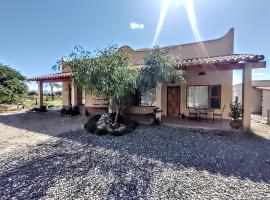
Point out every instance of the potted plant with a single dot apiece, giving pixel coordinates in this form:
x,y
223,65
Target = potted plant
x,y
235,114
153,114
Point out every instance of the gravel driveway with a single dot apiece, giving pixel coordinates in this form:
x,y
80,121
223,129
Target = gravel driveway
x,y
151,163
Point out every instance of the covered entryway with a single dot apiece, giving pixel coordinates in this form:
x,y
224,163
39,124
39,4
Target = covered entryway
x,y
173,101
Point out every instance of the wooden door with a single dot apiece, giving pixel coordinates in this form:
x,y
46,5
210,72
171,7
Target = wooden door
x,y
173,101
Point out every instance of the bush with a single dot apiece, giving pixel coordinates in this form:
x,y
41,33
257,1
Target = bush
x,y
63,112
41,109
91,126
156,121
122,132
75,111
86,113
95,117
102,131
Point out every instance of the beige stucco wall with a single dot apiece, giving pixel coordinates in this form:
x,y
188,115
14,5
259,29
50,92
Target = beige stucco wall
x,y
216,47
265,102
65,94
91,100
256,101
211,78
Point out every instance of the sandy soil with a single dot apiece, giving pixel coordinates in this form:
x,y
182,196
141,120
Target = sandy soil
x,y
22,129
260,127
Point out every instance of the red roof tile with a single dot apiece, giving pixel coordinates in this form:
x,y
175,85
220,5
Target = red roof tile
x,y
63,75
227,59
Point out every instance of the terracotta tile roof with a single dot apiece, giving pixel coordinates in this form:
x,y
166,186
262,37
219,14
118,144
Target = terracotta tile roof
x,y
227,59
62,75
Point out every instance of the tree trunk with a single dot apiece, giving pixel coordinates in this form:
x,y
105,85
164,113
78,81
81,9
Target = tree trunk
x,y
117,115
52,93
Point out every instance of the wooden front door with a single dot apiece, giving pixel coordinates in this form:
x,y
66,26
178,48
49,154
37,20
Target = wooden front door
x,y
173,101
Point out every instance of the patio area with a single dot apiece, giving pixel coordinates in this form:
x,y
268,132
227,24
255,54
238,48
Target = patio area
x,y
186,122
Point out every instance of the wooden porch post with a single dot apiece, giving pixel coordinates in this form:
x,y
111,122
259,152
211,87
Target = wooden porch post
x,y
74,100
158,100
40,94
246,95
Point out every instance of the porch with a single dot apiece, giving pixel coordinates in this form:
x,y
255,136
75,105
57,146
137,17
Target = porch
x,y
185,122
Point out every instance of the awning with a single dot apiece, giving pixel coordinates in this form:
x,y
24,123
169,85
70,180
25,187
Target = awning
x,y
263,88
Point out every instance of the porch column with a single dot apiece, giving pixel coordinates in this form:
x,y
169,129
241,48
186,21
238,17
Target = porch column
x,y
74,100
158,100
40,94
246,95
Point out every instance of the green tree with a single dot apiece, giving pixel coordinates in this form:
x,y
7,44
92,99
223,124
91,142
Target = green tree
x,y
159,66
105,72
52,86
12,84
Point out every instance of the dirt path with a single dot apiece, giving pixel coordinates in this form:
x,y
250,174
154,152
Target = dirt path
x,y
21,129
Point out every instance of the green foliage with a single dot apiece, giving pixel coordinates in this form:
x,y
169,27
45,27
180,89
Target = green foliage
x,y
70,112
157,121
122,132
52,87
91,126
159,67
106,72
95,117
236,110
12,84
102,131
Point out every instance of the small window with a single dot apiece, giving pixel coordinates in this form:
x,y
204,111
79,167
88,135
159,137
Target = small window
x,y
204,96
148,98
197,96
215,96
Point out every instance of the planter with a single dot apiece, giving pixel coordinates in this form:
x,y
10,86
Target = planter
x,y
235,124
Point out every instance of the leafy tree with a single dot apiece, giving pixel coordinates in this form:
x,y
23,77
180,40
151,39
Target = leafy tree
x,y
105,72
12,84
158,67
52,86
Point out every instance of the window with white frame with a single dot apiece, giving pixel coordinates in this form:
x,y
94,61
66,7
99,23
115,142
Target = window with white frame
x,y
148,98
204,96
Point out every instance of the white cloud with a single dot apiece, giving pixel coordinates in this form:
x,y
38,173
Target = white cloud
x,y
135,25
258,74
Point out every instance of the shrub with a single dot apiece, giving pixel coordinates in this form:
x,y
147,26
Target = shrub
x,y
86,113
95,117
63,112
156,121
75,111
91,126
122,132
102,131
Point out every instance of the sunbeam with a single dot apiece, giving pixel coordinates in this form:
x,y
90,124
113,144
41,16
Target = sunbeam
x,y
188,4
163,13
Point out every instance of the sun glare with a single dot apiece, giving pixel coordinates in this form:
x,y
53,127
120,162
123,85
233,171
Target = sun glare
x,y
188,5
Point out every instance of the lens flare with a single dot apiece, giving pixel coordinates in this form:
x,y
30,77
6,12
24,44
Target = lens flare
x,y
163,13
188,4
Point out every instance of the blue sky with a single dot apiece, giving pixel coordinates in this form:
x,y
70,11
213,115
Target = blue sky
x,y
36,33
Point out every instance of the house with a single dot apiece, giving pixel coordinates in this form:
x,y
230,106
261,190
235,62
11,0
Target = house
x,y
260,96
209,82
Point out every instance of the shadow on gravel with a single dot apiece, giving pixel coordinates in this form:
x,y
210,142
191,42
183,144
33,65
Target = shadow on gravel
x,y
132,160
48,123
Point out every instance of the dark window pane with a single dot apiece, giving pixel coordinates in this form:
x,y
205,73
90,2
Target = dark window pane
x,y
215,103
215,91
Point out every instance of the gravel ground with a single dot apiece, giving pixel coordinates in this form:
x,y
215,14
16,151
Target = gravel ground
x,y
151,163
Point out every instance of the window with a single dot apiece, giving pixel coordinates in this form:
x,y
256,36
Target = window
x,y
215,93
148,98
204,96
197,96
